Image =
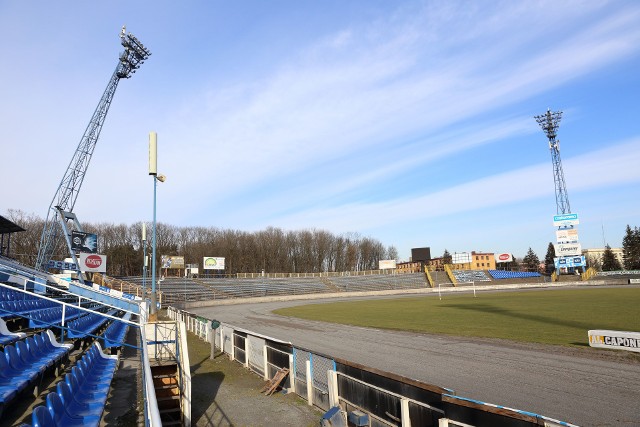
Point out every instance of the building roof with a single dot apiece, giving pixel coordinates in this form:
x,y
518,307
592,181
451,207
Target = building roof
x,y
7,226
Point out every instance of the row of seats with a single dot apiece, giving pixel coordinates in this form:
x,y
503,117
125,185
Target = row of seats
x,y
80,396
501,274
20,307
85,325
463,276
11,295
53,316
114,334
24,364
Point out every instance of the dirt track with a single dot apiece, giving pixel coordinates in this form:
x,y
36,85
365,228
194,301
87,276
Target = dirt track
x,y
582,386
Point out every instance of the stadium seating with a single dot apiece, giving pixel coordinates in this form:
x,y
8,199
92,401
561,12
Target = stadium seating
x,y
501,274
466,276
114,334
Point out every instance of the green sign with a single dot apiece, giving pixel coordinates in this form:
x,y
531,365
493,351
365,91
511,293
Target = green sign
x,y
215,324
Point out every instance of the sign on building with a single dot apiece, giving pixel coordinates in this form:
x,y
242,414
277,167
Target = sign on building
x,y
213,263
171,261
94,263
387,264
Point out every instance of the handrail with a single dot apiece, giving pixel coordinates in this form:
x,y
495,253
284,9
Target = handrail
x,y
152,413
452,277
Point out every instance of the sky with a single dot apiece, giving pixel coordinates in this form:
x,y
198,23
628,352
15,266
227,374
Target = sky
x,y
410,122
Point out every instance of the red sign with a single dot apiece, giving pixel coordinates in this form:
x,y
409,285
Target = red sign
x,y
93,262
504,257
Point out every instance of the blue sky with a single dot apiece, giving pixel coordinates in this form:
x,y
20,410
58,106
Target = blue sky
x,y
410,122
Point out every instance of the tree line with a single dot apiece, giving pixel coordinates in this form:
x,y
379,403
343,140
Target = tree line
x,y
273,250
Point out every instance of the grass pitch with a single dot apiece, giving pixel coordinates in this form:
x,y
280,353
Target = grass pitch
x,y
559,317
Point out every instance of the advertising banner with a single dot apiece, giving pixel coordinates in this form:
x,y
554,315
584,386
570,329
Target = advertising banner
x,y
61,265
171,261
568,249
503,257
565,220
213,263
568,262
386,264
94,263
461,258
619,340
567,235
84,242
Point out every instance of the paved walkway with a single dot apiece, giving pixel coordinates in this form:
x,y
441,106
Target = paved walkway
x,y
226,394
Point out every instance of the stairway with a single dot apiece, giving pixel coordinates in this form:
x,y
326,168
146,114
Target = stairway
x,y
165,381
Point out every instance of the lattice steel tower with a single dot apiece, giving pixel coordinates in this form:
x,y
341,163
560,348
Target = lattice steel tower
x,y
131,58
549,122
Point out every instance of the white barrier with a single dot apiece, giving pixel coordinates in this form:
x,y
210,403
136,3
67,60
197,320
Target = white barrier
x,y
617,340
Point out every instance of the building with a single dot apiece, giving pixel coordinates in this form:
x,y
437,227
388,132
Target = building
x,y
483,261
409,267
594,256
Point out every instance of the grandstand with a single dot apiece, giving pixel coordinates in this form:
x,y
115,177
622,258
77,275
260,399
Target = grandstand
x,y
54,369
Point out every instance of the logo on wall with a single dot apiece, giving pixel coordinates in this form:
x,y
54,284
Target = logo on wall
x,y
84,242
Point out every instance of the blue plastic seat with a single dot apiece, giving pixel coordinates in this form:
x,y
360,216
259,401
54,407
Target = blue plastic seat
x,y
61,416
85,393
19,365
41,417
75,408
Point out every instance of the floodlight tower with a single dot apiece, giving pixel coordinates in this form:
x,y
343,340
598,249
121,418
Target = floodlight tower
x,y
61,207
549,122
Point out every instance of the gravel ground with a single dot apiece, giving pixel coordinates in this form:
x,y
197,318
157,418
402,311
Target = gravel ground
x,y
225,394
584,386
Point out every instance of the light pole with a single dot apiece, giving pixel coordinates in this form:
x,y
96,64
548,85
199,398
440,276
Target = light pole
x,y
144,262
153,170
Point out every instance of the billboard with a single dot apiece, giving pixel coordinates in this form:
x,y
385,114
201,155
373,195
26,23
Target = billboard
x,y
565,220
171,261
420,254
570,261
461,258
567,235
84,242
213,263
94,263
386,264
568,249
504,257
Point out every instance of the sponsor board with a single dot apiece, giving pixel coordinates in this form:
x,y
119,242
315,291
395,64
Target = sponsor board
x,y
568,249
565,220
84,242
93,262
567,235
461,258
619,340
62,265
567,262
171,261
386,264
213,263
503,257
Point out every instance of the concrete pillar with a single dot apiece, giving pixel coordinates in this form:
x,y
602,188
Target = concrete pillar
x,y
404,413
332,382
309,384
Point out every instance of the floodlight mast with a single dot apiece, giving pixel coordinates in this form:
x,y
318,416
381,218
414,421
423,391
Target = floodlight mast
x,y
549,122
64,200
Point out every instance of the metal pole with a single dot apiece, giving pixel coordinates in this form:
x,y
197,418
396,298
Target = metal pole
x,y
153,315
144,262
